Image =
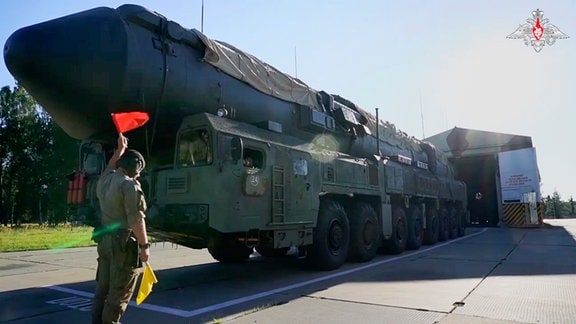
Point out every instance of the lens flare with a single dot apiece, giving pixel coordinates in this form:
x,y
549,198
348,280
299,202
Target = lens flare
x,y
96,234
324,148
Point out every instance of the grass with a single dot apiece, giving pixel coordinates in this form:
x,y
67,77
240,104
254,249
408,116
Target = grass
x,y
34,237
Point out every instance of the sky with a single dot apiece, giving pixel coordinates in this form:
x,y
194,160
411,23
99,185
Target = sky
x,y
427,65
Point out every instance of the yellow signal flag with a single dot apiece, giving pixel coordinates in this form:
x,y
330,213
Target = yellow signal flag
x,y
148,280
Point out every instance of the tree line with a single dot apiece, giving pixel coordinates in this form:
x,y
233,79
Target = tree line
x,y
556,208
35,158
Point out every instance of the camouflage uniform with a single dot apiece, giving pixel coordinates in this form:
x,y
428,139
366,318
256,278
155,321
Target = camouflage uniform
x,y
121,201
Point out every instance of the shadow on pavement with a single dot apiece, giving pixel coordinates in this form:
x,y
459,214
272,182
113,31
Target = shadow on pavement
x,y
212,290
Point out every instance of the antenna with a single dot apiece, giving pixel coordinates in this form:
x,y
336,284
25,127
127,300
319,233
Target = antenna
x,y
202,19
378,134
295,64
422,115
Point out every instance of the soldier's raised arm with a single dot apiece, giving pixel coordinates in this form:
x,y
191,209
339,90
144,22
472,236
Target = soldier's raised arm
x,y
122,144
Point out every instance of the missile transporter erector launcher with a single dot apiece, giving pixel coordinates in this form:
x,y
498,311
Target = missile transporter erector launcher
x,y
240,155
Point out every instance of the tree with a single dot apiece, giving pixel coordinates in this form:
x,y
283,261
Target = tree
x,y
548,207
16,115
556,204
556,208
61,160
35,155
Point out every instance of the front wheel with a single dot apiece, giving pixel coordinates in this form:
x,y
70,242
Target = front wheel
x,y
331,237
227,250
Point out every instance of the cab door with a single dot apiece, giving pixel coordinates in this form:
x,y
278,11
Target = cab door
x,y
295,187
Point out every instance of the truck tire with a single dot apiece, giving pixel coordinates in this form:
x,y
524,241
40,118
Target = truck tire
x,y
444,233
364,232
331,242
397,243
454,223
415,229
463,221
227,250
432,226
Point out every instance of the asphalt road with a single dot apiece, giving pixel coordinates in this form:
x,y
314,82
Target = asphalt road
x,y
494,275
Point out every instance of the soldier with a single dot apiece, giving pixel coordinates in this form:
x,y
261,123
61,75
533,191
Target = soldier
x,y
199,149
123,241
195,148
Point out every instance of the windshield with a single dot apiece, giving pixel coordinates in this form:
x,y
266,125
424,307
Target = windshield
x,y
93,158
194,148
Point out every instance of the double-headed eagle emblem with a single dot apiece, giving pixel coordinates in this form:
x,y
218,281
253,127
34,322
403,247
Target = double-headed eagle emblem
x,y
537,32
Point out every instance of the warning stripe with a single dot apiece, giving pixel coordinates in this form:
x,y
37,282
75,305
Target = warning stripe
x,y
514,214
540,209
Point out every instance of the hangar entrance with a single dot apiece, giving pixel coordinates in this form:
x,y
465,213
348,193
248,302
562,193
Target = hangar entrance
x,y
499,171
480,174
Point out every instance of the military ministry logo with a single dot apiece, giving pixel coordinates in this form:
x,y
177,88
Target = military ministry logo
x,y
537,32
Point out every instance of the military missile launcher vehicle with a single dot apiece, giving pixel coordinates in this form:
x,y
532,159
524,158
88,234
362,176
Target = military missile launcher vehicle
x,y
240,156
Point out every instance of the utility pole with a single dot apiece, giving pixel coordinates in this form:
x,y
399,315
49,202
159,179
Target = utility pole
x,y
202,19
422,115
295,64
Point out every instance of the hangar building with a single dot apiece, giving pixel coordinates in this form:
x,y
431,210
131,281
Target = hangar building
x,y
501,174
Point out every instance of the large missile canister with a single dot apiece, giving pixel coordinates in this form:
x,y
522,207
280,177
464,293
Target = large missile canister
x,y
85,66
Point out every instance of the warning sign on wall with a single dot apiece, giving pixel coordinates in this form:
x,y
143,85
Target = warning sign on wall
x,y
518,175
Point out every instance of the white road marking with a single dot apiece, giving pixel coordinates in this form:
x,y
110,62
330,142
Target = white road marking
x,y
237,301
160,309
79,303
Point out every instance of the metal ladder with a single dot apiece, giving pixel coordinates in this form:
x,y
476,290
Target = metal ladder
x,y
278,195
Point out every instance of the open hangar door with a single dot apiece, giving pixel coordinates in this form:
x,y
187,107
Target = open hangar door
x,y
480,175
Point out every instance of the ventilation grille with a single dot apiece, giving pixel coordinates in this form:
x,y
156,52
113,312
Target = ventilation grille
x,y
329,174
177,185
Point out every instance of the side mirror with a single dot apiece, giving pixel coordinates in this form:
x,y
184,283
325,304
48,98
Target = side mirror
x,y
237,147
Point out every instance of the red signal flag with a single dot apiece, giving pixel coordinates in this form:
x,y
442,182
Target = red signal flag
x,y
128,121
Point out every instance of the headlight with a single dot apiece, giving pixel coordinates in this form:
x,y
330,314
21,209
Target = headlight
x,y
222,112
